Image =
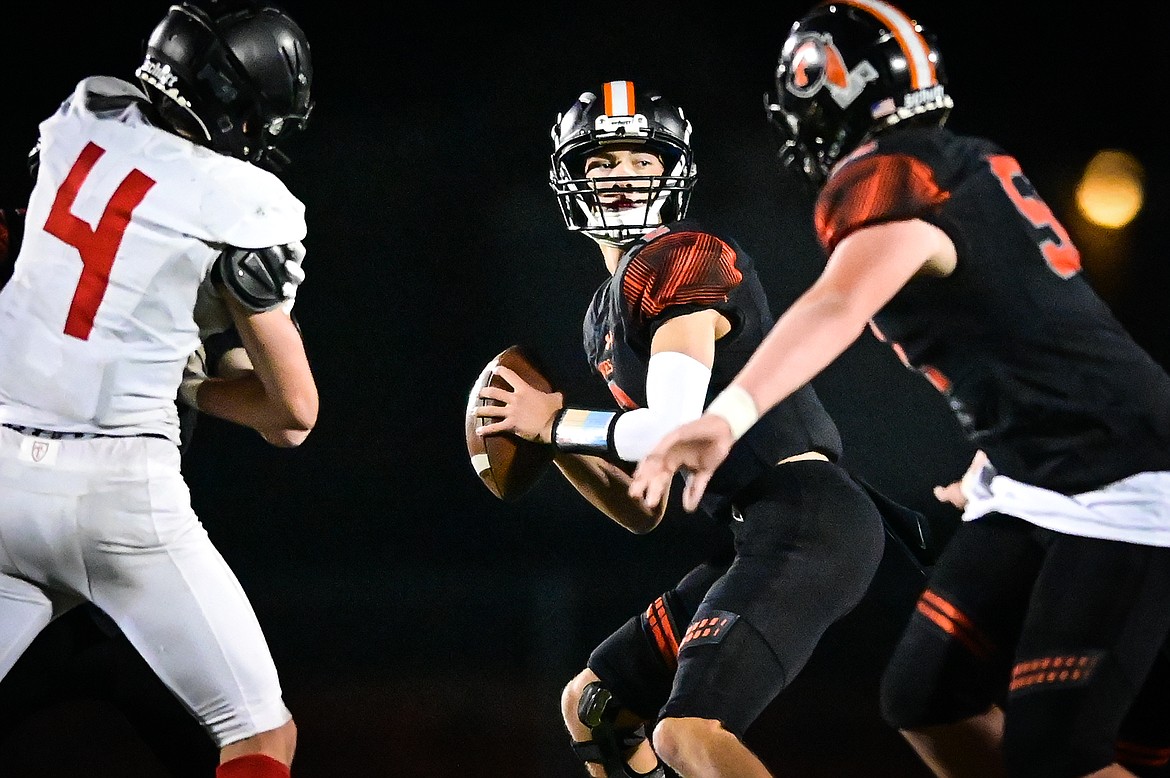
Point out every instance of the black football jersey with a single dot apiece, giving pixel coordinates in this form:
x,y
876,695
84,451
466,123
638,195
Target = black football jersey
x,y
680,269
1034,365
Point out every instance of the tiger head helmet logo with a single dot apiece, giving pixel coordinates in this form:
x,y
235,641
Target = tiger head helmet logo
x,y
817,64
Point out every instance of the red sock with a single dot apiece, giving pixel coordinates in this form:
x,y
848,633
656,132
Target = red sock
x,y
252,766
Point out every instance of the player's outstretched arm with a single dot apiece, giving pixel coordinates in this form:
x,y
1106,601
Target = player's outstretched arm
x,y
864,272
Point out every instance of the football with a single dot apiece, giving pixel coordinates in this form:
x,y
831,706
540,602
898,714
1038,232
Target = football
x,y
507,464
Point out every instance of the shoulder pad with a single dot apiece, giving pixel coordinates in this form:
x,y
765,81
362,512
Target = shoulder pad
x,y
105,94
247,206
680,268
897,186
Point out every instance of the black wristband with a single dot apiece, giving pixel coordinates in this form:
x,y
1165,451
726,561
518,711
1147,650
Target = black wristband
x,y
578,431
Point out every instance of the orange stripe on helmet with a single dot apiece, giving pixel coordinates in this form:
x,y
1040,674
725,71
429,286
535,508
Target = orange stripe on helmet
x,y
619,98
902,27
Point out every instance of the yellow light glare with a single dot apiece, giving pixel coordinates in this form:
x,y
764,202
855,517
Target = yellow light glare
x,y
1110,192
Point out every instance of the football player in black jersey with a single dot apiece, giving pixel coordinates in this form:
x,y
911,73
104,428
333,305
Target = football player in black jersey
x,y
679,313
1051,597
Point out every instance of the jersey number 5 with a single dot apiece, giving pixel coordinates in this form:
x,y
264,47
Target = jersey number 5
x,y
97,247
1054,241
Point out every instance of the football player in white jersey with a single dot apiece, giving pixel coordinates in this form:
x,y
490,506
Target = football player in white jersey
x,y
144,196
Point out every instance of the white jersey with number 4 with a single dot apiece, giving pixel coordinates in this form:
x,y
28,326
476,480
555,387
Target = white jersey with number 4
x,y
124,223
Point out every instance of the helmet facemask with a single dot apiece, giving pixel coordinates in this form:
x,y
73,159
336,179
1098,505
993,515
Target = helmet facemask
x,y
619,209
591,204
798,148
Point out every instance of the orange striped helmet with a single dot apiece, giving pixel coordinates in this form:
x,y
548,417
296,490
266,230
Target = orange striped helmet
x,y
849,69
619,112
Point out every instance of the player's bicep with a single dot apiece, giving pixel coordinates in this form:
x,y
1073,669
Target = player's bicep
x,y
692,334
873,263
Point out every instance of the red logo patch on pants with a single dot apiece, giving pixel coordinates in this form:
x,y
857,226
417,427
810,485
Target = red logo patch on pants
x,y
711,627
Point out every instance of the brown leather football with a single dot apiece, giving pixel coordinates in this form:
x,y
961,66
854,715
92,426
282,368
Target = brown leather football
x,y
508,465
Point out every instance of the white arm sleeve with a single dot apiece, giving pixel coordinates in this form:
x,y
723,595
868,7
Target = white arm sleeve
x,y
676,388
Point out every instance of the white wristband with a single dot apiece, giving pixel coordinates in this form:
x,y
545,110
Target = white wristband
x,y
735,406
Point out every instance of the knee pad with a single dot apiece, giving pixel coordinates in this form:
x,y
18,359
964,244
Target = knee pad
x,y
598,709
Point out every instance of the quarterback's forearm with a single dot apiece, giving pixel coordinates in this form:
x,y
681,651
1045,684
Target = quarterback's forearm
x,y
606,487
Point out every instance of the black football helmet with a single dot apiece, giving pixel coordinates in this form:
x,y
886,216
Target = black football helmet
x,y
849,69
231,75
621,114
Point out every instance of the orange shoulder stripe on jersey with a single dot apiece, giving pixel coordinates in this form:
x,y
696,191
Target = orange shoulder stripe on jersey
x,y
875,188
687,267
619,98
922,71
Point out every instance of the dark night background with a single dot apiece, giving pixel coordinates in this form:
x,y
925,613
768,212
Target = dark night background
x,y
422,627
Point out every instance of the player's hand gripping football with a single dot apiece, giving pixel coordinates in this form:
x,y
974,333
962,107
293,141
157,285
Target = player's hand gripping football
x,y
526,412
696,449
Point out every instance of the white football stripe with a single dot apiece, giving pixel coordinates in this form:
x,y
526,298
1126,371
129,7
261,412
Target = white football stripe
x,y
913,44
620,98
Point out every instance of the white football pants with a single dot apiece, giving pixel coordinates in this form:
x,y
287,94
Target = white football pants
x,y
109,520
